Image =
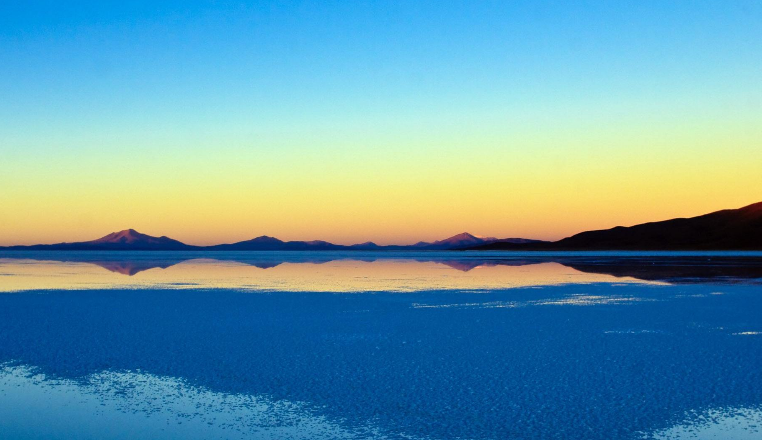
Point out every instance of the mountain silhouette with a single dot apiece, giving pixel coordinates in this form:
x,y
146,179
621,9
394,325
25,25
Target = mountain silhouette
x,y
266,243
368,245
729,229
466,240
128,239
463,239
132,238
726,229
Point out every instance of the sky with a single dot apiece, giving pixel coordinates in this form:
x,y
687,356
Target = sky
x,y
391,121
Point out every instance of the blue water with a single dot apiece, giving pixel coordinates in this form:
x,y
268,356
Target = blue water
x,y
656,347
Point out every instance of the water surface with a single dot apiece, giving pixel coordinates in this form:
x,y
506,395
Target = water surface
x,y
388,345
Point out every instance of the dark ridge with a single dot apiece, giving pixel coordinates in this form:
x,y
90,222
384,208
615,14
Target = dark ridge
x,y
729,229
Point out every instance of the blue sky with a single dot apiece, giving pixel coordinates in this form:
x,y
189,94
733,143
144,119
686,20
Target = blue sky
x,y
427,100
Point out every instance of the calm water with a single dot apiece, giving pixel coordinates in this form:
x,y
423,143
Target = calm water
x,y
388,345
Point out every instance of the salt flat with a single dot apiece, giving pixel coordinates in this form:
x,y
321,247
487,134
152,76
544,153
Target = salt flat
x,y
511,348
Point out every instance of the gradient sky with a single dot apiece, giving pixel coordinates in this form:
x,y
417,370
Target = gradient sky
x,y
392,121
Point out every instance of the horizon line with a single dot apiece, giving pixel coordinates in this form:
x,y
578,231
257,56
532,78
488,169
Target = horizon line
x,y
481,237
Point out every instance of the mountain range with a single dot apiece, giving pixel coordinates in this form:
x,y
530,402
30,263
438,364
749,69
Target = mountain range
x,y
130,239
730,229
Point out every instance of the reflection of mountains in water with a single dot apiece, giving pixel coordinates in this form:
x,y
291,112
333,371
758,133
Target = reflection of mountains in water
x,y
682,270
674,269
130,268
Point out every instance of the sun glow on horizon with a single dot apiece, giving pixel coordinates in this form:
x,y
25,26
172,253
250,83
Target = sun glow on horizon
x,y
381,121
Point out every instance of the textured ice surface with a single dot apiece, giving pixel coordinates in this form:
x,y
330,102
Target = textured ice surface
x,y
572,361
130,405
717,424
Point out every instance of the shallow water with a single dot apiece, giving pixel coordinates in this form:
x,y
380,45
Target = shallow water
x,y
360,345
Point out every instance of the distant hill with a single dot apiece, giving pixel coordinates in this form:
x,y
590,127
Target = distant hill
x,y
129,239
265,243
729,229
466,240
457,241
368,245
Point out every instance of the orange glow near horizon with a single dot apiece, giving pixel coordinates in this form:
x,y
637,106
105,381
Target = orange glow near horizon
x,y
546,180
514,185
544,224
333,276
373,121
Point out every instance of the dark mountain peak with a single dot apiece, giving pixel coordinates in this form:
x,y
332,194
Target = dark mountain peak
x,y
131,236
126,240
318,243
261,243
465,238
461,236
728,229
264,239
366,244
753,209
313,245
